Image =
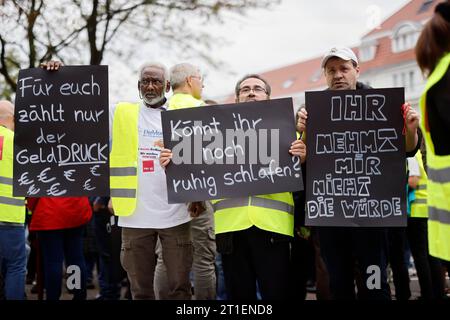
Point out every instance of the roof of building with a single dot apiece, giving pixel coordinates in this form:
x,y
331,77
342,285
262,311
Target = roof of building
x,y
415,10
307,75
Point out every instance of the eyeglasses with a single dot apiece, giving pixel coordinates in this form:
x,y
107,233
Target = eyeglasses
x,y
146,82
200,78
256,89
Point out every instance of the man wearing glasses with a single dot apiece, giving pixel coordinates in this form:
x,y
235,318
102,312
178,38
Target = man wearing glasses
x,y
257,249
146,216
187,86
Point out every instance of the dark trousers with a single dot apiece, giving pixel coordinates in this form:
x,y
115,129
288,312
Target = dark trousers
x,y
255,256
58,246
397,247
428,268
322,276
341,248
108,238
302,267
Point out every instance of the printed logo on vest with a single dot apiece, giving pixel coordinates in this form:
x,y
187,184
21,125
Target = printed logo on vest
x,y
1,147
148,166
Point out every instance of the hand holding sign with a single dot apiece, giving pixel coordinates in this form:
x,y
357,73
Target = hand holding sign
x,y
411,118
51,65
302,116
298,149
164,157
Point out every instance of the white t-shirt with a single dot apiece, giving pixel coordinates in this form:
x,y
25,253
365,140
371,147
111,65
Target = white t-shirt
x,y
152,209
413,167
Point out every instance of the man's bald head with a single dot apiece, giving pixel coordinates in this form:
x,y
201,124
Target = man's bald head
x,y
7,114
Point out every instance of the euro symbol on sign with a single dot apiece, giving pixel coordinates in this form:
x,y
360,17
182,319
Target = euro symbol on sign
x,y
23,180
87,186
54,191
42,177
68,174
94,169
32,190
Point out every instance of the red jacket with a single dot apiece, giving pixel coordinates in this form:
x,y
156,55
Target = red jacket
x,y
58,213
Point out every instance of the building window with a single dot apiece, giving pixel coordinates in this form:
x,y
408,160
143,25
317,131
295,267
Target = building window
x,y
403,75
425,6
405,37
367,50
288,83
316,75
367,53
394,78
411,80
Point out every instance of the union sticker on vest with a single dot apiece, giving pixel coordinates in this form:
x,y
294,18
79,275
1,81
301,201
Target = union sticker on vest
x,y
148,166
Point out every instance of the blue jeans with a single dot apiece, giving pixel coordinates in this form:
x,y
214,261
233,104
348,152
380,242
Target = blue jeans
x,y
13,261
57,246
221,292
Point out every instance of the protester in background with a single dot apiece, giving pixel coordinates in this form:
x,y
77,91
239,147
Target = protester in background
x,y
340,246
59,223
13,257
253,234
433,57
187,85
428,268
107,236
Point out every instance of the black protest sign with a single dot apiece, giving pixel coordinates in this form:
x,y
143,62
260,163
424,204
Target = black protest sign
x,y
61,143
232,150
356,158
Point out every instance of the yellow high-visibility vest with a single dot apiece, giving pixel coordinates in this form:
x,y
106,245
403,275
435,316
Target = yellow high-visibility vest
x,y
182,101
123,161
438,177
12,209
419,208
270,212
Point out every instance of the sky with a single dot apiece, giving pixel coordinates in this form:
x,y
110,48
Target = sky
x,y
262,40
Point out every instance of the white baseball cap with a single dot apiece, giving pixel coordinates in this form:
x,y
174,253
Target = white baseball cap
x,y
341,52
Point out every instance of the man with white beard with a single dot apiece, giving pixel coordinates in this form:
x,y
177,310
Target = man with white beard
x,y
139,194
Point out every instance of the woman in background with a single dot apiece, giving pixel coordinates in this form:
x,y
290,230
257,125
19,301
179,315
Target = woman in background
x,y
433,57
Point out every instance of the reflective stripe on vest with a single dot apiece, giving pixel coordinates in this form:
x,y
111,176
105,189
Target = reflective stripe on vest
x,y
8,181
12,202
123,159
274,213
419,208
440,215
11,224
438,176
123,193
12,209
254,201
120,172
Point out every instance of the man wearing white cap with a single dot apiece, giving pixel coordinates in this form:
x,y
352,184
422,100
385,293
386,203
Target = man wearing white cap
x,y
341,247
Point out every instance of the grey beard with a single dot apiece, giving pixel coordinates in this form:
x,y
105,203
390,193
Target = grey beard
x,y
153,101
